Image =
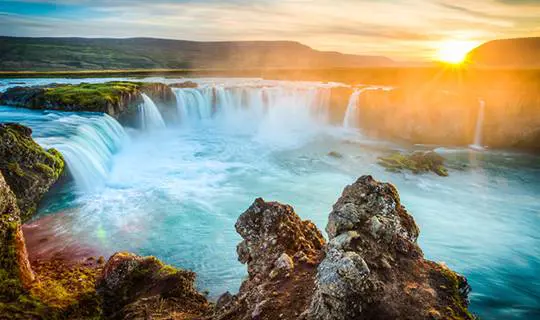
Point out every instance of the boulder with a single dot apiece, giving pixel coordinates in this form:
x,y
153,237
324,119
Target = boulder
x,y
134,287
28,169
281,252
373,267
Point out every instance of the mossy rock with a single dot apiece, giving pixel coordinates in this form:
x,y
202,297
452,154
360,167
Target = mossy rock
x,y
28,169
416,162
132,285
114,98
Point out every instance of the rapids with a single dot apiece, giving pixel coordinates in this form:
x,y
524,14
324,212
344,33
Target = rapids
x,y
176,191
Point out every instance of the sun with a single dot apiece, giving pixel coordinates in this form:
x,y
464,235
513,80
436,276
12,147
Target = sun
x,y
454,52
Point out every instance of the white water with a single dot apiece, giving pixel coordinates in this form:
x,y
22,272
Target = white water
x,y
149,115
477,144
281,115
352,115
87,141
176,193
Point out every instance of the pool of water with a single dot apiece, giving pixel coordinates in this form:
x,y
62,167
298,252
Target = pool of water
x,y
176,192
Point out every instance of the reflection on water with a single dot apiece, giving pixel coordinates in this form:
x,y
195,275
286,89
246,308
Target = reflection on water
x,y
176,194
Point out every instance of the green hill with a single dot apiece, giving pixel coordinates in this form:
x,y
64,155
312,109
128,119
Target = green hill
x,y
50,54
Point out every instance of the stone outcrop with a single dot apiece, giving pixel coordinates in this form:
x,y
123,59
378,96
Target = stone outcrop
x,y
15,270
185,84
281,252
28,169
417,162
134,287
374,269
117,98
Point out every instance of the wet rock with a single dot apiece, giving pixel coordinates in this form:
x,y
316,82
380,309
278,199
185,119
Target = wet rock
x,y
28,169
185,84
134,287
417,162
374,269
335,154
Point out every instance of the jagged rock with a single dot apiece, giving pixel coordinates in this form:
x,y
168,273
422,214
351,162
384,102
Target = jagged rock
x,y
276,243
15,270
28,169
374,269
134,287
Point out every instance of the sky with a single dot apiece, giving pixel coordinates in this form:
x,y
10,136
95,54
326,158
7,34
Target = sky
x,y
406,30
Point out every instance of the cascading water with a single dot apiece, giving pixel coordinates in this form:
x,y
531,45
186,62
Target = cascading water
x,y
352,115
477,144
279,114
87,141
149,115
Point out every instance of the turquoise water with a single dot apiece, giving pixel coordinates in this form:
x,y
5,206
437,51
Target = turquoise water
x,y
176,192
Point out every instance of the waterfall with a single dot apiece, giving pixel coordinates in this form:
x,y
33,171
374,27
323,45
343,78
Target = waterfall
x,y
254,102
352,115
477,144
86,140
150,117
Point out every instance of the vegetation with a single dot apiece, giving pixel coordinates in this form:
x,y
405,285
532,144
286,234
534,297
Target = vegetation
x,y
417,162
28,169
90,96
48,54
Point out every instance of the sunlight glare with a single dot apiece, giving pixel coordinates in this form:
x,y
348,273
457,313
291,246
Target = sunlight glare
x,y
454,52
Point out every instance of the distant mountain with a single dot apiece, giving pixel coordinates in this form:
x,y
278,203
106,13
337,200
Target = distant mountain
x,y
521,52
46,54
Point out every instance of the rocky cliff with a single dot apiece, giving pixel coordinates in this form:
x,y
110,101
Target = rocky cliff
x,y
510,120
28,169
118,99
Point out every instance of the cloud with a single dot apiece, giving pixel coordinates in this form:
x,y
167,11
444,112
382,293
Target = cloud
x,y
402,29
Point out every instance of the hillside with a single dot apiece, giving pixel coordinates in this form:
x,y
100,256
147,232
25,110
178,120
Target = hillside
x,y
521,52
49,54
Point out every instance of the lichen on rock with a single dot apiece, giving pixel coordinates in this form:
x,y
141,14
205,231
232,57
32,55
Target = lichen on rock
x,y
28,169
417,162
374,269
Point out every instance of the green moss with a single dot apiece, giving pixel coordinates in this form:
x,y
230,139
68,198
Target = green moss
x,y
416,162
459,310
90,96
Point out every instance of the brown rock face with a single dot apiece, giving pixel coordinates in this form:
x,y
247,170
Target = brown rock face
x,y
281,252
373,268
14,265
134,287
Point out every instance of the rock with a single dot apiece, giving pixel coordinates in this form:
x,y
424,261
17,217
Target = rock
x,y
118,99
15,270
186,84
417,162
28,169
335,154
134,287
374,269
269,230
276,242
